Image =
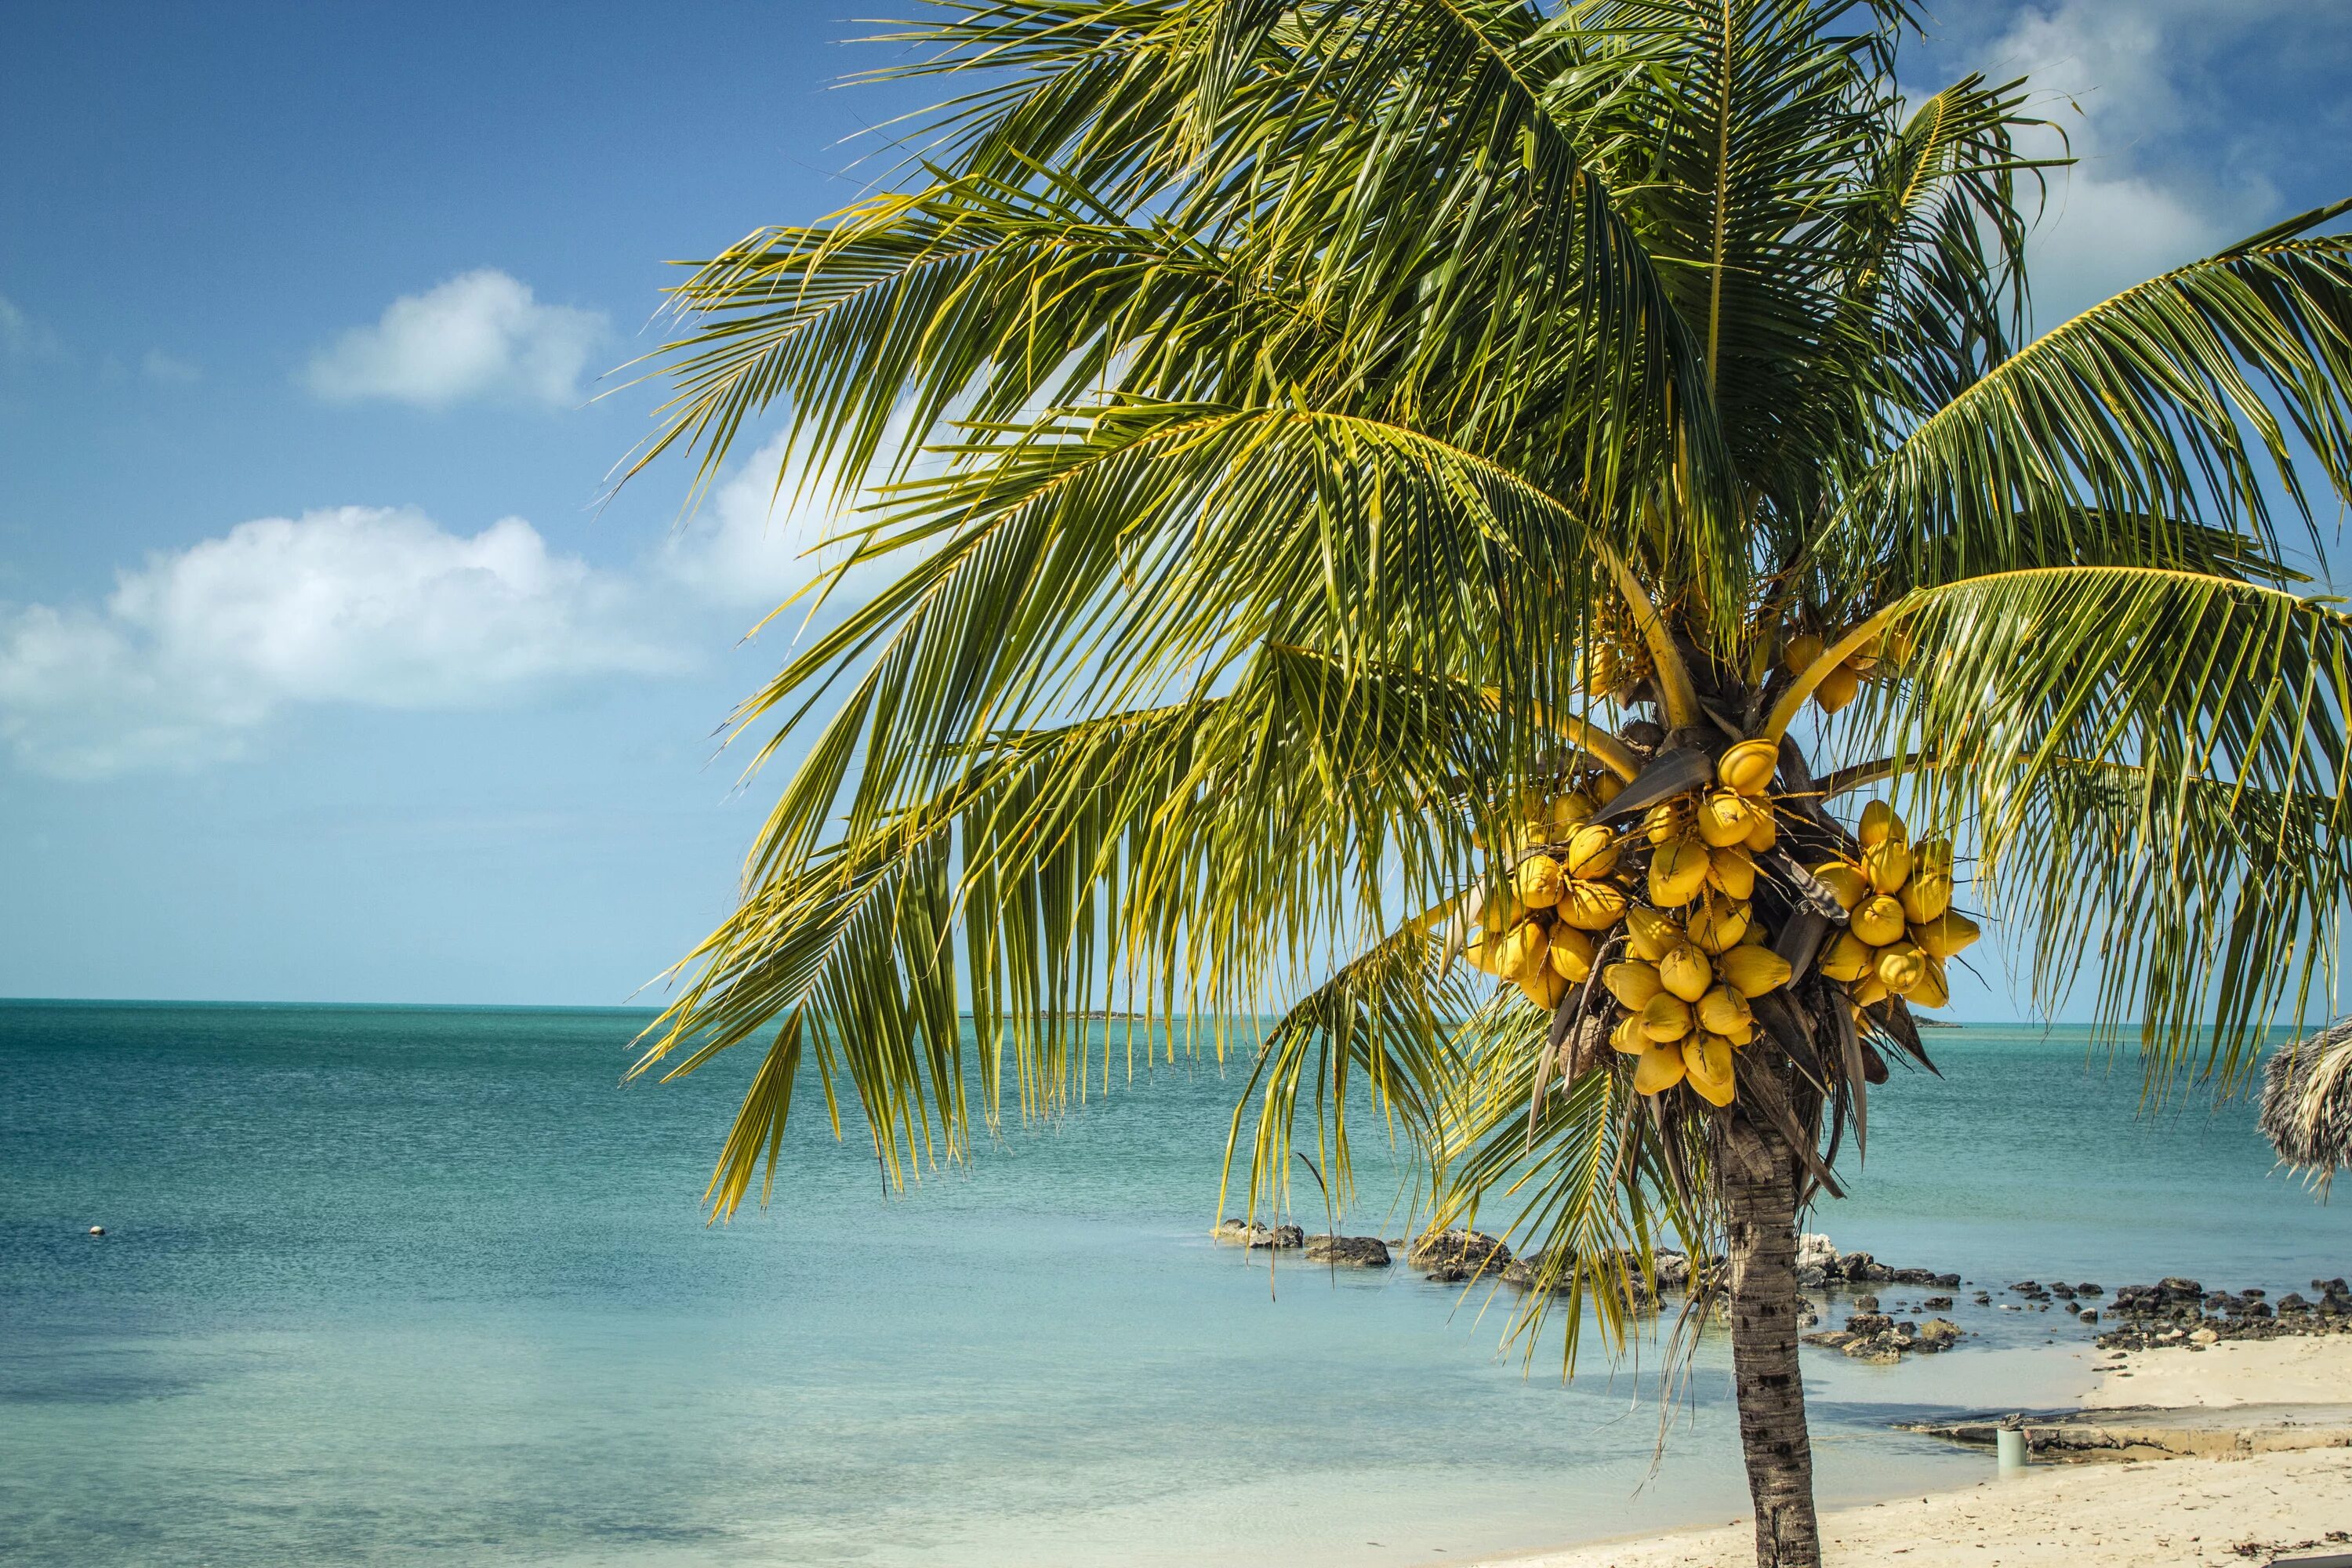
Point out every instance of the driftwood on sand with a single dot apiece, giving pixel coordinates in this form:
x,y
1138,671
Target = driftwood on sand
x,y
2307,1102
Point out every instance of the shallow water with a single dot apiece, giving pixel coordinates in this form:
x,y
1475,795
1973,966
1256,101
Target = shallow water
x,y
424,1285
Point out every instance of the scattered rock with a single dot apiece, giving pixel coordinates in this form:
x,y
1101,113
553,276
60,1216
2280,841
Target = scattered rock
x,y
1938,1334
97,1230
1458,1254
2090,1314
1347,1251
1235,1232
1936,1304
1865,1303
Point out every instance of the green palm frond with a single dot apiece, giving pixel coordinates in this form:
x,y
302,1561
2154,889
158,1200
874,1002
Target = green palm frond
x,y
2176,399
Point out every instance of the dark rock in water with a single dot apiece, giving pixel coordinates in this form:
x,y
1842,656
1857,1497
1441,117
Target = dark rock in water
x,y
1282,1239
2064,1292
2072,1307
2292,1304
1936,1304
1234,1233
2090,1314
2026,1287
1347,1251
1914,1277
2172,1287
1458,1253
1939,1334
1869,1323
1674,1270
1948,1281
2254,1293
2087,1289
1865,1303
1526,1269
2258,1310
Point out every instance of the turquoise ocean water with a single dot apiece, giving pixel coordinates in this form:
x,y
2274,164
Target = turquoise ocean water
x,y
426,1286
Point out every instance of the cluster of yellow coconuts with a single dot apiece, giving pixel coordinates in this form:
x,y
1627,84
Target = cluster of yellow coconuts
x,y
1901,926
1697,954
1841,685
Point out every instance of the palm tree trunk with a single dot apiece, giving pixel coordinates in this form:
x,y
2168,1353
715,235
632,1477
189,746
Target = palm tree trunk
x,y
1758,1176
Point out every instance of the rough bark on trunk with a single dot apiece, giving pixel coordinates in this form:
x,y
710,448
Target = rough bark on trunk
x,y
1758,1176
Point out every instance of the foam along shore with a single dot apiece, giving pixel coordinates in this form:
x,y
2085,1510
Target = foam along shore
x,y
2254,1507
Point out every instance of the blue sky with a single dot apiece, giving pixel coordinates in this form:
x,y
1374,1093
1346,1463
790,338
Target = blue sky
x,y
322,676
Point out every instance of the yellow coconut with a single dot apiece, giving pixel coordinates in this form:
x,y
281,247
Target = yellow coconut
x,y
1538,881
1522,951
1753,970
1934,989
1845,881
1666,1017
1717,924
1706,1064
1572,952
1632,982
1887,864
1932,854
1924,895
1628,1038
1763,832
1869,990
1651,934
1748,766
1879,823
1592,906
1838,688
1591,852
1545,987
1723,817
1900,967
1877,921
1846,958
1571,812
1685,972
1742,1036
1659,1070
1667,821
1945,935
1731,871
1723,1009
1679,871
1802,653
1606,787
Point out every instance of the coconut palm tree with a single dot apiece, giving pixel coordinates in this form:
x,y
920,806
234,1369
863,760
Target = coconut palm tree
x,y
1379,503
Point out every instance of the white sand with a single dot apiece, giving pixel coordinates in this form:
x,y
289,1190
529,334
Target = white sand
x,y
2304,1370
2168,1513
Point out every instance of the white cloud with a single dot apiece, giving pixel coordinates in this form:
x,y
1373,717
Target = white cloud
x,y
2123,79
197,650
169,370
479,335
22,337
752,545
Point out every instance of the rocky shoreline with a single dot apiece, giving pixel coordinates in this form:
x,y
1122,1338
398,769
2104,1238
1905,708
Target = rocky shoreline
x,y
2173,1312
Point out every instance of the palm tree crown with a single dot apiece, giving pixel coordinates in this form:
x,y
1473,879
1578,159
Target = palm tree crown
x,y
1328,446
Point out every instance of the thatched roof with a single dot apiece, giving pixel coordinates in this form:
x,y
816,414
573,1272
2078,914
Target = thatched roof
x,y
2307,1102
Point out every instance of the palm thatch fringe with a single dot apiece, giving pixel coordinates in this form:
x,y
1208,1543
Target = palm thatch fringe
x,y
2307,1103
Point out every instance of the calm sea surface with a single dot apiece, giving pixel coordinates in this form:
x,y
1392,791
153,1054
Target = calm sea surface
x,y
424,1285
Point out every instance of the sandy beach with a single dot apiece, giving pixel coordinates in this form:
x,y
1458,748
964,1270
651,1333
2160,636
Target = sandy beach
x,y
2144,1513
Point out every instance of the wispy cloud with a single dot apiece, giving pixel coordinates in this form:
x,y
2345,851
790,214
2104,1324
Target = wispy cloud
x,y
480,335
198,649
169,370
23,337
